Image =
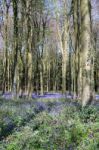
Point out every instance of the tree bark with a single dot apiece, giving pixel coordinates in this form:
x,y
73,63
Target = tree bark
x,y
86,48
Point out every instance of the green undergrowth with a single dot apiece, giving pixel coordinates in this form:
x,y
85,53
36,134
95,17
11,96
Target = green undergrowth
x,y
14,114
72,129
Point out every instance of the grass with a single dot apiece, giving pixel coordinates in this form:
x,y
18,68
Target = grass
x,y
36,127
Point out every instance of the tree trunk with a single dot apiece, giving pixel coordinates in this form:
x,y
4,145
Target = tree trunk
x,y
86,48
14,75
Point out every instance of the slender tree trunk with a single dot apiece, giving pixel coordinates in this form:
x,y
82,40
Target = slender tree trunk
x,y
29,74
41,82
5,74
14,73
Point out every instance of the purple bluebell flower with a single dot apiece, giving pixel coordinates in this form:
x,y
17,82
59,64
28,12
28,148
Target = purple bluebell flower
x,y
7,95
97,97
40,106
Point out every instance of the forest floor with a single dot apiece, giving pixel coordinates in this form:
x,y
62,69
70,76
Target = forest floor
x,y
48,123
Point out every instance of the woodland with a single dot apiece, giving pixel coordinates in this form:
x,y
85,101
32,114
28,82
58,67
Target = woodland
x,y
49,75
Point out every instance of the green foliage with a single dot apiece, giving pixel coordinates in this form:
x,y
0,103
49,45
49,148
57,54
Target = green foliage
x,y
75,128
89,114
14,113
